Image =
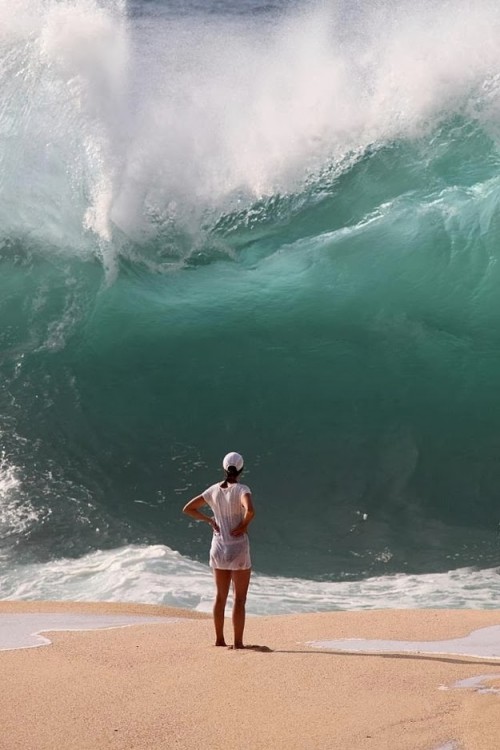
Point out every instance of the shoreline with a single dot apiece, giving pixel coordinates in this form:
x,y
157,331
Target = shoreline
x,y
166,685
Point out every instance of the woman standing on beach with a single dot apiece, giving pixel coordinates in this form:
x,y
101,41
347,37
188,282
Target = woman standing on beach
x,y
232,508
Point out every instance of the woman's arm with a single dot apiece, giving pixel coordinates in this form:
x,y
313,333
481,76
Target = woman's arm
x,y
192,509
246,502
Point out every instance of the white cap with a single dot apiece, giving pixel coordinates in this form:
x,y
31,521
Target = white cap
x,y
232,459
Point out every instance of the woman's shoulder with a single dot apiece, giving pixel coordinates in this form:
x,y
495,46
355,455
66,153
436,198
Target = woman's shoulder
x,y
244,489
211,490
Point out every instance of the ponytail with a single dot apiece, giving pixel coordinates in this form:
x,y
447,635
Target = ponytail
x,y
231,474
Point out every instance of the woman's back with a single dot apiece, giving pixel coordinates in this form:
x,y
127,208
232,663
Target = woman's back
x,y
225,503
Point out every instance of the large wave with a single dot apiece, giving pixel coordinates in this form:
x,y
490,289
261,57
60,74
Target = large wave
x,y
124,121
274,232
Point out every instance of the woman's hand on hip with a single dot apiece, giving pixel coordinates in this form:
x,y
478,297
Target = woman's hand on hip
x,y
213,524
239,530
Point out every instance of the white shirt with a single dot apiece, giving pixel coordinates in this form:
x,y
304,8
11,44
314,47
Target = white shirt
x,y
225,503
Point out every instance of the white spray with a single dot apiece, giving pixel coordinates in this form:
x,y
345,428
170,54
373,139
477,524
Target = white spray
x,y
113,126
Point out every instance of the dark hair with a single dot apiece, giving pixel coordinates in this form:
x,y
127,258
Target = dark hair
x,y
232,471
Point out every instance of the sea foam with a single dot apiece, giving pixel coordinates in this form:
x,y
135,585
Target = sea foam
x,y
160,575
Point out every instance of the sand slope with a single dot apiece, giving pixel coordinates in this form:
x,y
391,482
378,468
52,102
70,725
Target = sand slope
x,y
166,686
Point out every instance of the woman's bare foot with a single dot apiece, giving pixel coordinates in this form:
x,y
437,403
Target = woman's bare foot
x,y
221,643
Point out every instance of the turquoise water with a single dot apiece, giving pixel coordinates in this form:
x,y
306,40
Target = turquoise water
x,y
260,231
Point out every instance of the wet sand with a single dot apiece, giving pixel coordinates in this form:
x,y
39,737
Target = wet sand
x,y
164,685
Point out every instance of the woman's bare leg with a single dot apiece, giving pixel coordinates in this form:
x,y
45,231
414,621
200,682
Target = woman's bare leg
x,y
241,580
222,583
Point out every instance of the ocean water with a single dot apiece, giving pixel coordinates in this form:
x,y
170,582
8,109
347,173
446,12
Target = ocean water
x,y
264,227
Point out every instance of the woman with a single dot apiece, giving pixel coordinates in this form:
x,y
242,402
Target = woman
x,y
232,508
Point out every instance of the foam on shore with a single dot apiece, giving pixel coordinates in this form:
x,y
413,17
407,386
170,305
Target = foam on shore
x,y
483,643
23,630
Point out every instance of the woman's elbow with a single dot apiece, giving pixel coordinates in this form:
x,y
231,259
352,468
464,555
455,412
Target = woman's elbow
x,y
194,504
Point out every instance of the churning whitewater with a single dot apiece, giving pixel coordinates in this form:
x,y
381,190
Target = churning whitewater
x,y
271,228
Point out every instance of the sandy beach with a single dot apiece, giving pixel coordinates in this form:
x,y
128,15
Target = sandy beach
x,y
164,685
